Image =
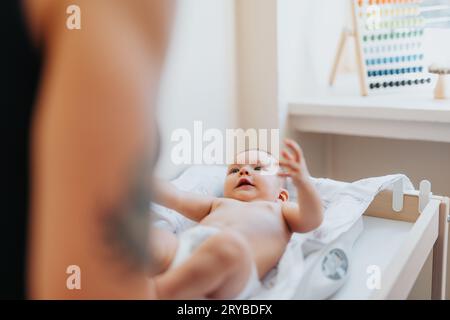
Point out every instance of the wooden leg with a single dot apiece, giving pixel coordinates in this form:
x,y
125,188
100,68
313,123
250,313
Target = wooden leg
x,y
438,286
343,39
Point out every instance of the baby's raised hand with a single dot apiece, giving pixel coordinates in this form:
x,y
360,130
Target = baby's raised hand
x,y
293,163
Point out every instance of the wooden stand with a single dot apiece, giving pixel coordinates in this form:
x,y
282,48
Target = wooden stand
x,y
346,34
401,268
351,33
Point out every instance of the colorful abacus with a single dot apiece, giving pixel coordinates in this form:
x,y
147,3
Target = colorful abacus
x,y
389,37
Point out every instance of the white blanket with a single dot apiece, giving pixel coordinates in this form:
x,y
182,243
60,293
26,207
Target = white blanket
x,y
344,203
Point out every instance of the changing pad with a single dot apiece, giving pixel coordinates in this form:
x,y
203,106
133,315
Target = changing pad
x,y
344,203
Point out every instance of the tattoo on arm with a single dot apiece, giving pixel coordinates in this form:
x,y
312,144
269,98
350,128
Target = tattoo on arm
x,y
127,224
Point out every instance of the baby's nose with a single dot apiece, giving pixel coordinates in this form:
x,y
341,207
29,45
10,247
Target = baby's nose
x,y
243,171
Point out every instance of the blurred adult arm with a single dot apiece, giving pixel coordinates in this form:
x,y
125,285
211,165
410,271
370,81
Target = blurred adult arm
x,y
93,146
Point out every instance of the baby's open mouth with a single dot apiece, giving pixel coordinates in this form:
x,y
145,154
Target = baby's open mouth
x,y
244,182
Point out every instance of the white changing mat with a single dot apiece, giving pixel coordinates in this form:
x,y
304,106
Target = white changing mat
x,y
344,203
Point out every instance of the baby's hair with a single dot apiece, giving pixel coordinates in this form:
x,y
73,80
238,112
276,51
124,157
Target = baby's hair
x,y
258,149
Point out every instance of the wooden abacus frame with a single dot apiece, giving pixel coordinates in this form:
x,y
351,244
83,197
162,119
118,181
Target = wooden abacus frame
x,y
346,34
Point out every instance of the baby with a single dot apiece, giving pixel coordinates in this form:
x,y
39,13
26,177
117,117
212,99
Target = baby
x,y
241,236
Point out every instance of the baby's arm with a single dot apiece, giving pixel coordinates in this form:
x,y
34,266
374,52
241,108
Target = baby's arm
x,y
306,215
191,205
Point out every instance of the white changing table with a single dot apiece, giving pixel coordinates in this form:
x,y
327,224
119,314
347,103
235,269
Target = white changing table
x,y
398,243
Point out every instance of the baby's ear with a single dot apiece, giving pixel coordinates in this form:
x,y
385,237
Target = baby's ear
x,y
283,195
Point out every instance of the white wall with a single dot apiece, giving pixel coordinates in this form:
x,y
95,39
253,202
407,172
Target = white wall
x,y
199,80
308,32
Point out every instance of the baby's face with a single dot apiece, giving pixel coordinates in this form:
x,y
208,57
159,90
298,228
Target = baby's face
x,y
253,177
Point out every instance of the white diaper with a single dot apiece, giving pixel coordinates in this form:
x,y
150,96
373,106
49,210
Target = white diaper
x,y
190,239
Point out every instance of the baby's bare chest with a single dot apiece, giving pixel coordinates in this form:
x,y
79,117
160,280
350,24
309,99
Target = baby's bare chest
x,y
233,212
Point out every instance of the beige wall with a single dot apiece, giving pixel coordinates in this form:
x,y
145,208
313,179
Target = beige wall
x,y
354,158
200,76
257,75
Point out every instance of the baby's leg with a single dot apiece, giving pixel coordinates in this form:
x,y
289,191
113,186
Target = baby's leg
x,y
163,246
219,268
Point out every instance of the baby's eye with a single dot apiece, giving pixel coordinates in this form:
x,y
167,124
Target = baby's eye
x,y
258,168
233,170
